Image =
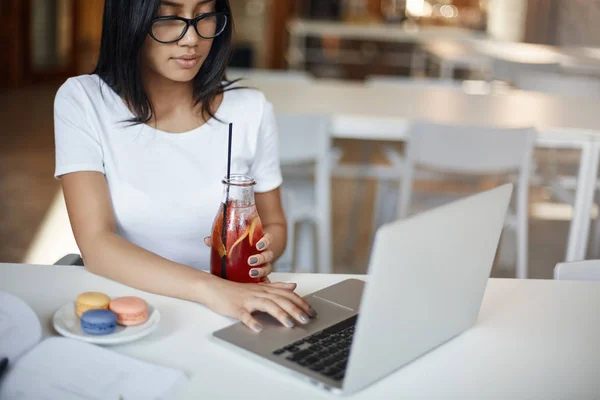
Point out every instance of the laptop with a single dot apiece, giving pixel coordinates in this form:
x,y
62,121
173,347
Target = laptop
x,y
426,279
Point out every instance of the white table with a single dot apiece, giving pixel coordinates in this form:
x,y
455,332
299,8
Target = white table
x,y
533,340
478,53
384,113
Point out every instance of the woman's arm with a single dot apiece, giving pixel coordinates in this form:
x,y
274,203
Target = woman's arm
x,y
107,254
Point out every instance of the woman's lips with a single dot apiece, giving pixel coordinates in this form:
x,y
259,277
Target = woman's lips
x,y
187,62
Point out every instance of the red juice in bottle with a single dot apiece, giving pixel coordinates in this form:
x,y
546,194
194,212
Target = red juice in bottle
x,y
234,242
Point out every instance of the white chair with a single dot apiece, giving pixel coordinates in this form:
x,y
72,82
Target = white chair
x,y
473,151
587,270
387,184
388,176
306,158
564,85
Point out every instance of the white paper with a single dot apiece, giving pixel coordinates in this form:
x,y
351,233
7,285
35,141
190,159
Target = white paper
x,y
20,328
68,369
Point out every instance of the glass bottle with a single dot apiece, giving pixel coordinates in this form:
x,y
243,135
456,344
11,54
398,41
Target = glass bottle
x,y
234,241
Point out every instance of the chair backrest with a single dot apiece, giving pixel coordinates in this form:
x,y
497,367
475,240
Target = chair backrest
x,y
588,270
552,82
303,138
468,149
464,149
270,74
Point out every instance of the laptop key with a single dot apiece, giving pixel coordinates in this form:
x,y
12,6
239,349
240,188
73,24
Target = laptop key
x,y
327,362
342,325
298,343
304,362
320,335
292,349
317,367
331,371
312,359
339,376
300,355
279,351
342,364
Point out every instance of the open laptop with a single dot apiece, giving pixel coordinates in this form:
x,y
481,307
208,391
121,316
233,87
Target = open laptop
x,y
427,277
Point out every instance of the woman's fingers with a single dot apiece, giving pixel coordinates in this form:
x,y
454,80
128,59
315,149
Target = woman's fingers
x,y
262,271
269,306
265,242
294,298
280,285
208,241
260,259
290,307
247,319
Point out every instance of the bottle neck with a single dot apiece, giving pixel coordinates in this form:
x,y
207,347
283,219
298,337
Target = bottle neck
x,y
238,196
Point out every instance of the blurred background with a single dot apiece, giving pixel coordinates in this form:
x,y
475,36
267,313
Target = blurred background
x,y
444,44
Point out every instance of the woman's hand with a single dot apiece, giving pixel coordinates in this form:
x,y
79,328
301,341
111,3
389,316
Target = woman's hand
x,y
240,300
260,262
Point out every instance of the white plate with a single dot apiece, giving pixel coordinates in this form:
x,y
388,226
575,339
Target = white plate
x,y
67,323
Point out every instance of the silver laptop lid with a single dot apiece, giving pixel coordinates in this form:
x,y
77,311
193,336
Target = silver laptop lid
x,y
427,277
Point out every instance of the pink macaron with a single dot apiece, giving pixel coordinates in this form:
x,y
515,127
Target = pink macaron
x,y
130,310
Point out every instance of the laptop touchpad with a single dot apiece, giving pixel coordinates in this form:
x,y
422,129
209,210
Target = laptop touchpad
x,y
346,294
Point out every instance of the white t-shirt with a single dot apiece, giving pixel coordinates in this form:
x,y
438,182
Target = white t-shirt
x,y
165,188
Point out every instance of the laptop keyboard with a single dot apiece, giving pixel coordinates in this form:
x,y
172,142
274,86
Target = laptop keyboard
x,y
325,352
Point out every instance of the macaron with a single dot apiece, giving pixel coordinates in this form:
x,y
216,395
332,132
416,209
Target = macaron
x,y
98,322
130,310
91,301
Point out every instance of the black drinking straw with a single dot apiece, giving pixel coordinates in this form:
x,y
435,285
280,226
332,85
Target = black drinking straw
x,y
224,227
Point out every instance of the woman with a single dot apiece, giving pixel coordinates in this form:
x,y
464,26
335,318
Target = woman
x,y
141,151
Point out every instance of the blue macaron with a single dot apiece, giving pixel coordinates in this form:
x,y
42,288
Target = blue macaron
x,y
99,322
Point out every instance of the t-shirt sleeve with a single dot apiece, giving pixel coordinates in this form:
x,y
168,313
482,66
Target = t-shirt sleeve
x,y
266,168
77,145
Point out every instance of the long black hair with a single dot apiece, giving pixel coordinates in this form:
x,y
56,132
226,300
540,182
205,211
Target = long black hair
x,y
125,27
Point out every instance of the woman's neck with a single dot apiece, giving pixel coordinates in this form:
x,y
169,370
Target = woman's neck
x,y
169,98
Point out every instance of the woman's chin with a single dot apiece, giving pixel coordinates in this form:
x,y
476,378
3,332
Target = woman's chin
x,y
181,75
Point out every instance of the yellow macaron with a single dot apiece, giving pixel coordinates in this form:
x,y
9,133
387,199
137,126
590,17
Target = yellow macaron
x,y
91,301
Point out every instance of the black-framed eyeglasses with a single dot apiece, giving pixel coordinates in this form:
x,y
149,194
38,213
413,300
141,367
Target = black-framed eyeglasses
x,y
171,29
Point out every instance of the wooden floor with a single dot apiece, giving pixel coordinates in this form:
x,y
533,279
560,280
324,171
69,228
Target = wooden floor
x,y
27,188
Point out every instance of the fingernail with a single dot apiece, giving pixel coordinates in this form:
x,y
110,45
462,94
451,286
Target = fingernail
x,y
312,312
254,273
289,323
253,260
260,245
304,318
258,327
